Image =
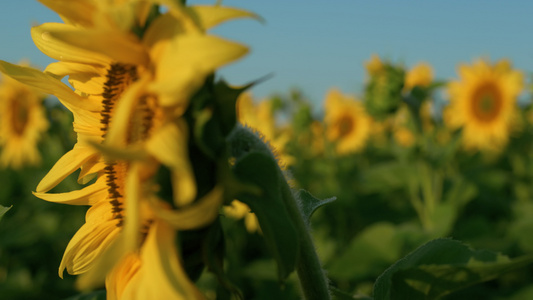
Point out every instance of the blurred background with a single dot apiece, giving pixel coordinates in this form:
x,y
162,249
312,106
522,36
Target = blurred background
x,y
314,46
353,112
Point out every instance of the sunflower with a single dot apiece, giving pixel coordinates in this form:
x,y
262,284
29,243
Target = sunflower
x,y
137,85
22,124
261,119
347,123
483,104
402,134
420,75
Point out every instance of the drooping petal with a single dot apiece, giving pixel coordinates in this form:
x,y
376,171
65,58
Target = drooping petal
x,y
67,164
169,146
209,16
87,196
196,215
88,79
47,84
161,275
46,39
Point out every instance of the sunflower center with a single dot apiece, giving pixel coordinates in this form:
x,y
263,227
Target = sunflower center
x,y
119,77
345,125
142,119
487,103
20,114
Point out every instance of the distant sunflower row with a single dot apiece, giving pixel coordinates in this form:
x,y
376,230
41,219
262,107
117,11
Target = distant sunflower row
x,y
480,108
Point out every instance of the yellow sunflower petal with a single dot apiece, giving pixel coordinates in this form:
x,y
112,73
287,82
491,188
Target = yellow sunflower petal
x,y
187,60
45,38
79,11
169,146
161,275
86,196
118,46
47,84
102,265
61,69
210,16
194,216
67,164
91,241
177,10
124,274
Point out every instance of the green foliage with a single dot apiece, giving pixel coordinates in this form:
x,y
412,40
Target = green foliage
x,y
309,204
3,210
383,92
279,232
441,267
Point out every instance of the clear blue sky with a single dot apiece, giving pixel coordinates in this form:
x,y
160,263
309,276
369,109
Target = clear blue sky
x,y
315,45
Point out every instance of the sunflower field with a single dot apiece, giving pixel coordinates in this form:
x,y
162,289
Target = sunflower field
x,y
130,170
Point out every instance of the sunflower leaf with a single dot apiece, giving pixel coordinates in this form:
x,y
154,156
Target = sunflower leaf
x,y
214,246
279,232
309,204
440,267
3,210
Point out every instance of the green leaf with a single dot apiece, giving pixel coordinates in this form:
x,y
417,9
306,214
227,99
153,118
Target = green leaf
x,y
226,99
440,267
280,234
3,210
97,295
214,253
309,204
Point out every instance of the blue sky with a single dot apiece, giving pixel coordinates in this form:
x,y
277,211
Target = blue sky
x,y
315,45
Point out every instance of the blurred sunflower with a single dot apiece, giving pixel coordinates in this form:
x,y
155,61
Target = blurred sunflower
x,y
374,65
260,118
22,124
483,104
402,134
420,75
134,85
347,123
238,210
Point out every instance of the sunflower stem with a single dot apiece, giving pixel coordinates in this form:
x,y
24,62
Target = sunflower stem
x,y
313,280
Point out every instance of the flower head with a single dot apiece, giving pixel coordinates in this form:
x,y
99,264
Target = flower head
x,y
22,124
483,104
347,123
420,75
131,89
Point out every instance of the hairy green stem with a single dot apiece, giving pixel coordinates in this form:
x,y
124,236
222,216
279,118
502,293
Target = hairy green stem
x,y
313,281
